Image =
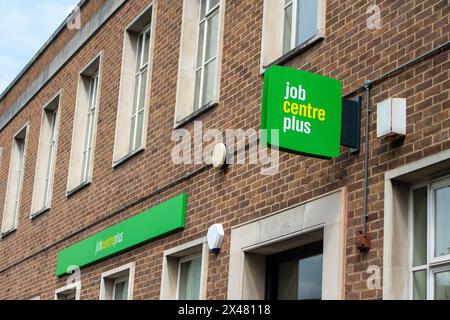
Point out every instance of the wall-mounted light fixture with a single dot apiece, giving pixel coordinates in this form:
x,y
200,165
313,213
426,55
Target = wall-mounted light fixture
x,y
219,155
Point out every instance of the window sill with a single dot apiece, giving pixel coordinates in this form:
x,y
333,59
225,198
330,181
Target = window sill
x,y
127,157
79,188
195,115
296,51
8,233
39,213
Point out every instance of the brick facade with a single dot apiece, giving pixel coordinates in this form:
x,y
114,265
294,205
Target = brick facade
x,y
350,52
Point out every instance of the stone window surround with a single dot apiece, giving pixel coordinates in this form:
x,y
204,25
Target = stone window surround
x,y
25,130
42,157
171,257
246,279
115,274
272,34
397,227
79,127
125,102
66,289
186,65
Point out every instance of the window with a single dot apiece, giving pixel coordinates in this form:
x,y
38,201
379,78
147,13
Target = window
x,y
117,284
45,165
92,106
69,292
189,269
15,180
303,22
120,289
295,274
184,274
205,71
300,22
431,240
1,162
134,88
85,127
200,57
140,86
295,253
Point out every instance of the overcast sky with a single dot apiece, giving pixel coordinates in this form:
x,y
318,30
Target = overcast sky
x,y
25,25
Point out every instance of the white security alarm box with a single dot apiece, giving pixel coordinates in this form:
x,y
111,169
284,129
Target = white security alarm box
x,y
215,237
391,118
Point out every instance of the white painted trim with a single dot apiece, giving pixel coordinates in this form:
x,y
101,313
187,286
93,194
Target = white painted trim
x,y
111,273
430,279
1,157
69,287
171,258
184,260
117,281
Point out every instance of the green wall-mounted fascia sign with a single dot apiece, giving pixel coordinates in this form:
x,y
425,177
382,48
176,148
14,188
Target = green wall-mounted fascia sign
x,y
155,222
306,110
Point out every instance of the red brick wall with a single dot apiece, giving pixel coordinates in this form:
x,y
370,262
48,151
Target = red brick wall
x,y
350,52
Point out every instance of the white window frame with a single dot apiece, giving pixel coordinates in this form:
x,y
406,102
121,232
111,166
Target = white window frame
x,y
272,40
1,157
138,111
396,251
433,264
24,130
51,157
46,158
76,286
126,101
172,259
115,274
208,13
1,161
294,4
185,109
184,260
85,111
294,27
89,134
117,281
